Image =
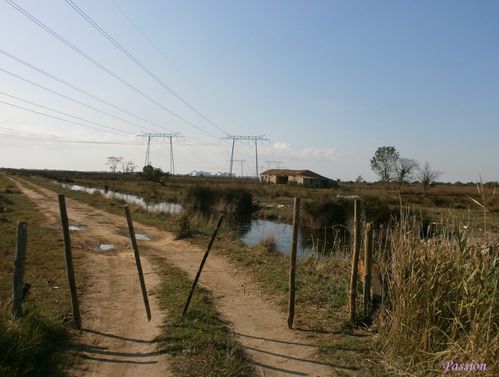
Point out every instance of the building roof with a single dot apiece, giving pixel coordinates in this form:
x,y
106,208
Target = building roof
x,y
293,173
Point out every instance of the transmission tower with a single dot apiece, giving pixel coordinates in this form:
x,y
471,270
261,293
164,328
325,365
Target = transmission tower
x,y
242,165
256,139
170,136
276,163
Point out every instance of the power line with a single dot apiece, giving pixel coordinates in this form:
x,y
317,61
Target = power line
x,y
70,98
102,67
63,113
61,81
137,62
55,117
55,139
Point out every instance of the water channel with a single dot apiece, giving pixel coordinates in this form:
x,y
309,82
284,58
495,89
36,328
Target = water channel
x,y
250,231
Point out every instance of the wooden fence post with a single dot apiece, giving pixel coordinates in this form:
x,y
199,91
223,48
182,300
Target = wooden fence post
x,y
292,267
137,262
367,268
69,261
355,259
201,266
18,279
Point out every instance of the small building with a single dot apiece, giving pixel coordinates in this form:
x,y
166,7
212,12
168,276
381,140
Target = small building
x,y
306,178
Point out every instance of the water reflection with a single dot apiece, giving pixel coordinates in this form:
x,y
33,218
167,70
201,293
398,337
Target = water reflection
x,y
321,242
160,207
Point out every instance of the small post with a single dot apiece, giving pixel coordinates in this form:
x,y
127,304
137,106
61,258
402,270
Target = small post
x,y
69,261
201,266
367,268
355,259
18,279
137,262
292,267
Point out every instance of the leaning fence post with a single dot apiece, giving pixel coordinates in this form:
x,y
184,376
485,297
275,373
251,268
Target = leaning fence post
x,y
137,262
367,268
69,261
355,259
203,261
18,279
292,267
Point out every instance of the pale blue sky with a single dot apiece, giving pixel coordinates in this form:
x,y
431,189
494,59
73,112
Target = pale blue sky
x,y
326,81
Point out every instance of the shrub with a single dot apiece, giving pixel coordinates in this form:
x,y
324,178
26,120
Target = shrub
x,y
230,200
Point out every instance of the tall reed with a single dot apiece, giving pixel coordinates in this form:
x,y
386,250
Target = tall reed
x,y
442,300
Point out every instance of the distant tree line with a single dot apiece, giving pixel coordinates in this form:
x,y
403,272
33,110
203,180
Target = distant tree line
x,y
119,164
390,167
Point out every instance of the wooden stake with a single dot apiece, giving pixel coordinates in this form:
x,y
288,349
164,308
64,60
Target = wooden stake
x,y
367,268
18,279
69,261
201,266
137,262
355,259
292,267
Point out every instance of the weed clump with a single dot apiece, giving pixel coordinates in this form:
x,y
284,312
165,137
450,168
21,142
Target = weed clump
x,y
270,244
29,346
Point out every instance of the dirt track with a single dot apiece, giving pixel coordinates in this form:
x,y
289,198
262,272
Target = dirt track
x,y
118,340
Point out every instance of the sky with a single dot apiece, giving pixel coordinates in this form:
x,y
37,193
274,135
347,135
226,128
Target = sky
x,y
325,82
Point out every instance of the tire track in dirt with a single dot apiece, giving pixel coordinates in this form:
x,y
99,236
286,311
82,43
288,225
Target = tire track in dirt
x,y
256,322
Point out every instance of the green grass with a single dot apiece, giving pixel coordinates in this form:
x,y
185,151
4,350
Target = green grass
x,y
32,345
199,342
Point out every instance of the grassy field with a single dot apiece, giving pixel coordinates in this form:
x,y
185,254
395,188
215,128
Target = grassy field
x,y
34,344
321,283
275,201
382,349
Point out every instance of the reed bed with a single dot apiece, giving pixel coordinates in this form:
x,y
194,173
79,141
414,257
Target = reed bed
x,y
441,304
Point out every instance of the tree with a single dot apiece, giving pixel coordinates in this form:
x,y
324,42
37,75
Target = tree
x,y
150,173
113,162
427,175
384,163
405,168
130,167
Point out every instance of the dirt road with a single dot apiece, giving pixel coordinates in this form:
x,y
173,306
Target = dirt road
x,y
118,340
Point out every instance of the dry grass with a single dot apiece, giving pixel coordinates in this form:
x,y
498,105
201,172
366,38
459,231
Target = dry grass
x,y
443,301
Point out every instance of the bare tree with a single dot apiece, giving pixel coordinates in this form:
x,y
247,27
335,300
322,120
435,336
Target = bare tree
x,y
130,167
427,175
113,162
405,169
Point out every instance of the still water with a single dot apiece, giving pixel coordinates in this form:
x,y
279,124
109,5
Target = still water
x,y
251,231
159,207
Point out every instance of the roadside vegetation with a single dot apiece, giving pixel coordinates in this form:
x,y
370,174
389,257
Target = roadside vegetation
x,y
442,301
34,344
200,343
440,284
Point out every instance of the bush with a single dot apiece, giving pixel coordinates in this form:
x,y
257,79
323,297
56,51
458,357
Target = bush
x,y
206,200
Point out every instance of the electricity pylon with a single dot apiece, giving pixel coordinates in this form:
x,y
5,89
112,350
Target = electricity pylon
x,y
242,165
276,163
256,139
171,136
